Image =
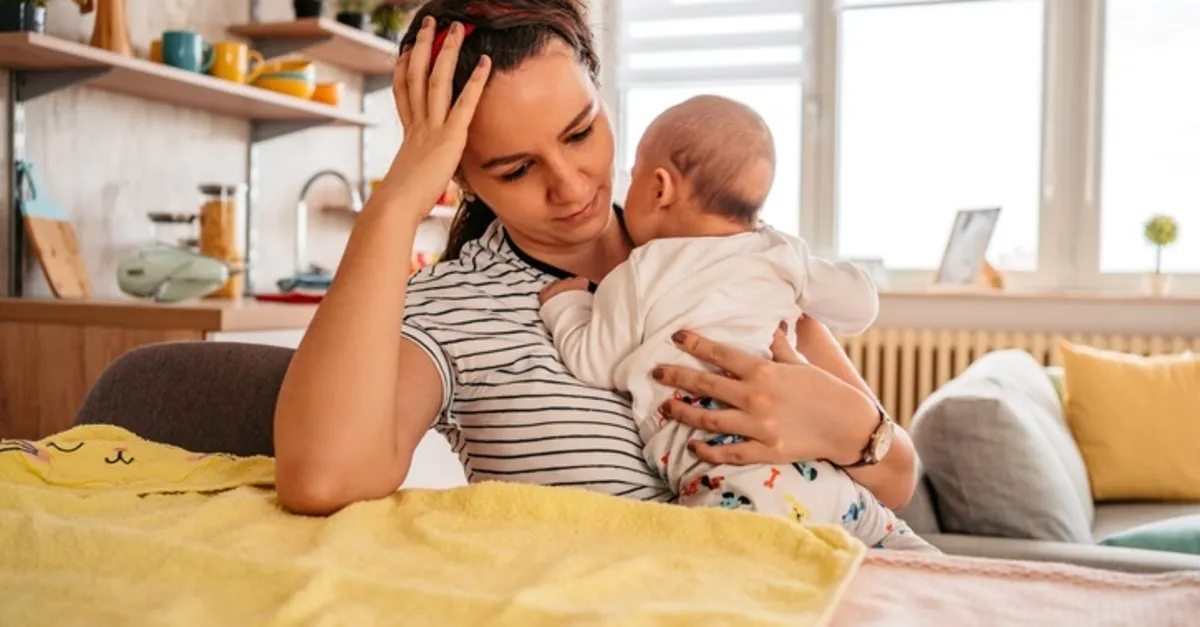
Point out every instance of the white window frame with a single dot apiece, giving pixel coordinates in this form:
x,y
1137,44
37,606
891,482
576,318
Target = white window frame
x,y
1072,108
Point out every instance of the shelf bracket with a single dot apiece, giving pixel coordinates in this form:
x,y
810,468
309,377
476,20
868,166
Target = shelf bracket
x,y
32,84
375,82
262,131
273,48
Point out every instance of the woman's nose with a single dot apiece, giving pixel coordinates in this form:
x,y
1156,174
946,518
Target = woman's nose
x,y
569,185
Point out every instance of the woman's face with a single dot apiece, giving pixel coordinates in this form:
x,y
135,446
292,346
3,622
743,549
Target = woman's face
x,y
540,151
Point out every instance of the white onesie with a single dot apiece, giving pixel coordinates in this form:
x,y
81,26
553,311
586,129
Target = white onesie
x,y
735,290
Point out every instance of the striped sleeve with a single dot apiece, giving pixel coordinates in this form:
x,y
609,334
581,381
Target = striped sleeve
x,y
441,363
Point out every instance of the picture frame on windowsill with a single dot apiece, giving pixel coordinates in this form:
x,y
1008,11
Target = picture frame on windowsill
x,y
964,261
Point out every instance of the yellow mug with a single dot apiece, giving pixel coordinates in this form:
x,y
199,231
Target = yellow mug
x,y
156,51
235,61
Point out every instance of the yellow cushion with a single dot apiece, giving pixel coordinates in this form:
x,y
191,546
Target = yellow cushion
x,y
1136,420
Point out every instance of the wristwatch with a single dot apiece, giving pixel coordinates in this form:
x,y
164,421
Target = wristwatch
x,y
881,440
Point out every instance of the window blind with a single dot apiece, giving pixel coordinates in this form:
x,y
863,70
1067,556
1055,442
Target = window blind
x,y
669,42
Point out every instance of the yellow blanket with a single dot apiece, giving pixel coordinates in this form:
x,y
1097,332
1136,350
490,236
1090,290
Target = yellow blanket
x,y
98,527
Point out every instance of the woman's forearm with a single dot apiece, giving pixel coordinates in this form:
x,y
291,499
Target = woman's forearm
x,y
335,425
892,480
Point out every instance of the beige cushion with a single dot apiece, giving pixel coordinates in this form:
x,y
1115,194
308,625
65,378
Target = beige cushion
x,y
997,452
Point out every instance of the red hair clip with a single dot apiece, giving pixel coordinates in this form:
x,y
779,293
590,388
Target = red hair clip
x,y
440,38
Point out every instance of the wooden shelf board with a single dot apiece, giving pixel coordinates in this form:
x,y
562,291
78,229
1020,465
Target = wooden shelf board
x,y
328,41
155,81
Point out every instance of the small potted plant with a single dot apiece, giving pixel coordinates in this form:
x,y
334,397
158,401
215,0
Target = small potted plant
x,y
389,18
23,15
308,8
354,13
1160,231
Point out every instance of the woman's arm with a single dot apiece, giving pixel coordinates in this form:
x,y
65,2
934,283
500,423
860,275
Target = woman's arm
x,y
357,397
787,409
893,479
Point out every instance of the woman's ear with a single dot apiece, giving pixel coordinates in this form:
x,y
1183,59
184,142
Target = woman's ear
x,y
665,189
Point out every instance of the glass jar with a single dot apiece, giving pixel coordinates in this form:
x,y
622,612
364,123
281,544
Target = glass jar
x,y
223,232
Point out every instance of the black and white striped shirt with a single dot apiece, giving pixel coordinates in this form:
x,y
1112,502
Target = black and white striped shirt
x,y
510,409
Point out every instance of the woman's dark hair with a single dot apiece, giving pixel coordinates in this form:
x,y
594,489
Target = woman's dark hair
x,y
510,32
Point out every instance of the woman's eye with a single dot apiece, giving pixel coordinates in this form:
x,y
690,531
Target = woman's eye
x,y
581,135
515,174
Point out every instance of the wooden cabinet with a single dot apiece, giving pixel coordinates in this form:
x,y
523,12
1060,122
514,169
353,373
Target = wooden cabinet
x,y
52,351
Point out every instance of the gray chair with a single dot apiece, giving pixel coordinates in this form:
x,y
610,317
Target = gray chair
x,y
207,397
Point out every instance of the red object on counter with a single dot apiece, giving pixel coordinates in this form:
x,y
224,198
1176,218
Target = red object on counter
x,y
291,297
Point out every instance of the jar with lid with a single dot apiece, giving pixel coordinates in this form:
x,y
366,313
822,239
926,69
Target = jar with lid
x,y
223,232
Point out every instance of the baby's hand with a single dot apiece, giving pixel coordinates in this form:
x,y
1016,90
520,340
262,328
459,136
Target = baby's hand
x,y
558,287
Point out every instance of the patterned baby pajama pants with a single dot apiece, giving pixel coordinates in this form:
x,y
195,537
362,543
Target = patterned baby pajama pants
x,y
814,492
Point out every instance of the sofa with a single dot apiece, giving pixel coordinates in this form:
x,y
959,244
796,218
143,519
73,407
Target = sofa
x,y
220,397
1001,475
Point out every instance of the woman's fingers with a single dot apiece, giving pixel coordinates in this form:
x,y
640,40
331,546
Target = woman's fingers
x,y
418,69
700,383
729,421
727,358
464,108
738,454
400,89
440,82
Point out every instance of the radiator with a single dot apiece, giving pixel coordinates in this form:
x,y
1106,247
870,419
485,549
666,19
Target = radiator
x,y
904,366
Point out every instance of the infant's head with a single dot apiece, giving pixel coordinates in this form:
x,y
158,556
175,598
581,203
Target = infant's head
x,y
703,167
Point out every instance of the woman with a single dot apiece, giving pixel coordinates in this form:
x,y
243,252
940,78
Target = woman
x,y
534,152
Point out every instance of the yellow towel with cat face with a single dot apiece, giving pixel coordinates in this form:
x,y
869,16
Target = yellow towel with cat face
x,y
99,527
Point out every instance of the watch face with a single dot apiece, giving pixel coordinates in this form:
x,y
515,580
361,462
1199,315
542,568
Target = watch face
x,y
883,440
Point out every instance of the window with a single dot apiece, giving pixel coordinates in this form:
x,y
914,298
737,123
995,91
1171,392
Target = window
x,y
1079,119
1150,137
749,50
939,109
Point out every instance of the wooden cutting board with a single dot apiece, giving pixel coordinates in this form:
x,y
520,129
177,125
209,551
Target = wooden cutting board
x,y
54,241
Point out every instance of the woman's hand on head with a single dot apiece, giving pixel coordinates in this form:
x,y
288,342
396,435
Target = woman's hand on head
x,y
435,128
786,409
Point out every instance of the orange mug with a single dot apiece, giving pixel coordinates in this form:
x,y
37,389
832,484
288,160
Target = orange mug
x,y
156,51
328,93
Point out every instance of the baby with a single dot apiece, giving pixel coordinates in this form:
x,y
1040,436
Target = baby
x,y
703,262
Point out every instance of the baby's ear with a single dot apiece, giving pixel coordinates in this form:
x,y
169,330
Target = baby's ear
x,y
665,188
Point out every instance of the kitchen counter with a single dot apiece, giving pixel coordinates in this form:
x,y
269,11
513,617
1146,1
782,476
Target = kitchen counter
x,y
53,351
205,316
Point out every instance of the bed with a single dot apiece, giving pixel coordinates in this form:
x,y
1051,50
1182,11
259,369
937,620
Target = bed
x,y
99,526
190,533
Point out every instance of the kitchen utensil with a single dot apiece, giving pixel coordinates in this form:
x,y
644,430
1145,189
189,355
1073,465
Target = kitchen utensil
x,y
168,274
110,31
222,231
187,50
234,61
53,238
328,93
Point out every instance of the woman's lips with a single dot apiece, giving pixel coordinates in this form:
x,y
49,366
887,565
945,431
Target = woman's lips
x,y
586,212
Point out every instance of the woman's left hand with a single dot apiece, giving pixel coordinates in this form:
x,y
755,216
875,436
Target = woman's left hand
x,y
786,409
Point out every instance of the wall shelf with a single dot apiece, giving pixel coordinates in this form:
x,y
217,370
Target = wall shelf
x,y
328,41
49,63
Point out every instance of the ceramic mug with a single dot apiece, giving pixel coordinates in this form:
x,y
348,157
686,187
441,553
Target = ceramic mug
x,y
186,50
328,93
156,51
234,61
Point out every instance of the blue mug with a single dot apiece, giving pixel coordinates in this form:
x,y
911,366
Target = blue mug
x,y
187,51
